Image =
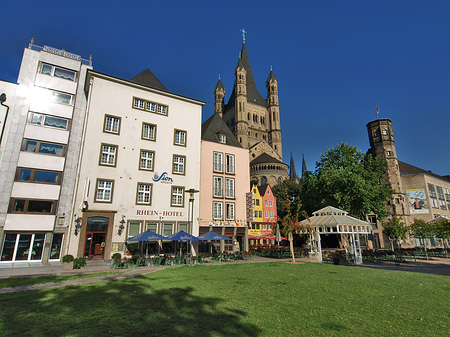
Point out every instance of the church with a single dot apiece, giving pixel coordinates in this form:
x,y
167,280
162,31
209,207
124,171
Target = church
x,y
255,121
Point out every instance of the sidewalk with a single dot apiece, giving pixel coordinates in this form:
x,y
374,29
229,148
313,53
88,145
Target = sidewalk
x,y
436,265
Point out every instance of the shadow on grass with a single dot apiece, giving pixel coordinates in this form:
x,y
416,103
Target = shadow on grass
x,y
120,308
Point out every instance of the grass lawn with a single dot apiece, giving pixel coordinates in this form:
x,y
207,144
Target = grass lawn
x,y
255,299
26,281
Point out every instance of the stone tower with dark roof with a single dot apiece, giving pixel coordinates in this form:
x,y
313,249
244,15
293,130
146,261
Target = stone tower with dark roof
x,y
255,121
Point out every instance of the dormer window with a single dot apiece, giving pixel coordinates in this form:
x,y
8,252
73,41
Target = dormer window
x,y
222,138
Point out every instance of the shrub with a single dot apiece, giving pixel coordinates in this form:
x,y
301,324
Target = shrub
x,y
67,258
117,257
79,262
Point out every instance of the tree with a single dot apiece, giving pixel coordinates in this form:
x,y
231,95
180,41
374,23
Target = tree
x,y
421,229
287,190
347,179
442,231
395,230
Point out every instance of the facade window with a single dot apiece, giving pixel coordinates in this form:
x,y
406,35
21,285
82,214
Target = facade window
x,y
37,176
43,147
104,190
152,227
217,210
179,138
49,121
389,153
447,197
260,214
32,206
266,203
148,131
229,210
433,196
229,187
178,164
266,214
218,187
22,247
183,227
177,199
257,202
222,138
167,229
271,214
256,214
134,228
108,155
229,163
111,124
218,162
270,202
54,71
144,194
146,160
440,193
61,97
142,104
55,250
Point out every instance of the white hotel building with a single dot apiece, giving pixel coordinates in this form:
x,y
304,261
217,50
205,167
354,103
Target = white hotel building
x,y
140,154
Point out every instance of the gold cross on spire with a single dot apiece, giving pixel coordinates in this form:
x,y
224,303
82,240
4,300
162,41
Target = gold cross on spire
x,y
243,34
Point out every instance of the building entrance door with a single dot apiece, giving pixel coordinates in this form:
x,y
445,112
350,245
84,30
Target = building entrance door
x,y
97,228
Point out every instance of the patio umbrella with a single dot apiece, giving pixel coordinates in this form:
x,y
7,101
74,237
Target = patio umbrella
x,y
182,236
213,236
146,237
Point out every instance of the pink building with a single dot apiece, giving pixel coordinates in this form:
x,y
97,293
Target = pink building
x,y
224,183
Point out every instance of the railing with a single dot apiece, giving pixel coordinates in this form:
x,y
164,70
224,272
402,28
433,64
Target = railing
x,y
61,52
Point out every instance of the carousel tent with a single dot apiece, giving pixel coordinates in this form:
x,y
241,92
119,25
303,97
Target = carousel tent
x,y
331,220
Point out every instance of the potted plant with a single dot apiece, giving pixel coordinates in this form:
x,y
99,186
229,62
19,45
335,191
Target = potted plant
x,y
67,262
79,262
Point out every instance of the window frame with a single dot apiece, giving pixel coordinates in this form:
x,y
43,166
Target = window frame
x,y
52,74
149,203
134,222
44,117
216,216
227,165
146,102
154,133
233,196
33,170
218,179
27,203
38,145
233,217
172,195
103,201
111,131
100,163
215,167
175,131
184,164
55,93
152,160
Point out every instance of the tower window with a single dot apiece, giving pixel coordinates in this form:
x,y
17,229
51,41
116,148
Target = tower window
x,y
384,131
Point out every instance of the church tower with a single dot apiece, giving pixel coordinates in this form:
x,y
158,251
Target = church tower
x,y
273,113
219,96
240,90
382,145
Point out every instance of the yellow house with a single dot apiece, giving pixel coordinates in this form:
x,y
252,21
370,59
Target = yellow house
x,y
255,227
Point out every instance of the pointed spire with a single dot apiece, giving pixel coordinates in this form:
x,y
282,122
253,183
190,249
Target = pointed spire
x,y
271,77
304,169
292,172
219,85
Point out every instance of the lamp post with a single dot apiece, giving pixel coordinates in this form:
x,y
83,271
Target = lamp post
x,y
191,215
3,100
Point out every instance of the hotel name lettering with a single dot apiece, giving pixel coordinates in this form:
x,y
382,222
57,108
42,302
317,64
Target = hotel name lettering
x,y
158,213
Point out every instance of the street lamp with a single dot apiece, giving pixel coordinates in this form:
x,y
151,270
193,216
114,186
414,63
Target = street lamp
x,y
3,100
191,214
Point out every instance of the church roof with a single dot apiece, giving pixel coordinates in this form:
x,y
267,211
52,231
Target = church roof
x,y
407,169
214,126
253,95
264,158
148,79
219,85
272,77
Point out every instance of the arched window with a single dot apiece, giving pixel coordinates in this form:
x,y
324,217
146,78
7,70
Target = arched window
x,y
263,180
248,116
279,180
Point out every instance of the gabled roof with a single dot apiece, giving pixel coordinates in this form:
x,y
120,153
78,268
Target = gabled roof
x,y
265,158
214,126
407,169
148,79
262,189
253,95
332,216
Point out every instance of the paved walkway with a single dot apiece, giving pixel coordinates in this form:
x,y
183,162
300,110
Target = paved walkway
x,y
437,266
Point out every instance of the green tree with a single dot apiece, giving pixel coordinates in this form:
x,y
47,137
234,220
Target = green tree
x,y
395,230
287,190
421,229
442,231
347,179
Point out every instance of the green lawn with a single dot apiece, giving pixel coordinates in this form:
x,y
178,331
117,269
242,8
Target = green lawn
x,y
255,299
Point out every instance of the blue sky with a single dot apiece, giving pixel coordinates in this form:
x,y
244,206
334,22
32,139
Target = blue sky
x,y
334,60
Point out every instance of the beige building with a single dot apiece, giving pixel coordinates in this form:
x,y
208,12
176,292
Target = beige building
x,y
255,121
419,194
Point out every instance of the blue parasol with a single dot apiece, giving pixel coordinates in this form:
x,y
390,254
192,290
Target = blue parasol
x,y
182,236
213,236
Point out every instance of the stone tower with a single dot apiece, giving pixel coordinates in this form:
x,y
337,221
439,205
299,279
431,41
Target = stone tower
x,y
382,145
219,96
273,113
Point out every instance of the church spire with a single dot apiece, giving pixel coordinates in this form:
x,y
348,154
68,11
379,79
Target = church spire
x,y
219,95
292,173
304,169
